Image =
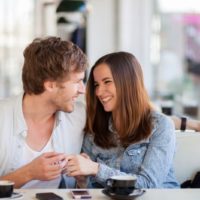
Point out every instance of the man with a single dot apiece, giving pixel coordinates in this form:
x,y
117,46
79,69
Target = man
x,y
38,128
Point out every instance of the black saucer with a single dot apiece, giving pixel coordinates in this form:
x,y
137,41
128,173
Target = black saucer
x,y
15,195
134,194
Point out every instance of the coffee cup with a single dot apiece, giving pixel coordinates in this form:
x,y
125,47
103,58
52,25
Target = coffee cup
x,y
6,188
121,185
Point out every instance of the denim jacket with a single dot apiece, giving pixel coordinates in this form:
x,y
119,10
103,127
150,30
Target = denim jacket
x,y
151,160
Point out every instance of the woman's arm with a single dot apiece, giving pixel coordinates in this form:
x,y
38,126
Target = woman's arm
x,y
157,160
155,164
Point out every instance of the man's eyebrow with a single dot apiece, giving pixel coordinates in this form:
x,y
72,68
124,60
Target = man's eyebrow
x,y
79,79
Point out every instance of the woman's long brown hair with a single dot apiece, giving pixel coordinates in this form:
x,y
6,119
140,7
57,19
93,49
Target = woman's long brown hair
x,y
133,103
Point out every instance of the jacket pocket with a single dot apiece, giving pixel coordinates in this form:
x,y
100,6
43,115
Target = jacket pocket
x,y
109,160
134,157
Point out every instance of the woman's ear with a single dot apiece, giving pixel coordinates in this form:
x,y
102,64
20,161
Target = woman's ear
x,y
50,85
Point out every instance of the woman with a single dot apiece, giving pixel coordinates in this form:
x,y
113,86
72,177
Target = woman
x,y
124,135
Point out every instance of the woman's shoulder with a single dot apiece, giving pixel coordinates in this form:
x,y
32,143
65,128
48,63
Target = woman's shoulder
x,y
161,120
89,137
163,128
88,140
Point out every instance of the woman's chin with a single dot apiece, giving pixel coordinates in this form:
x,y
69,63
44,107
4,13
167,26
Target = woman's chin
x,y
106,109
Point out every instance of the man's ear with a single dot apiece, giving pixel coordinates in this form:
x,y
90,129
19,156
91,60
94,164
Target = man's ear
x,y
50,85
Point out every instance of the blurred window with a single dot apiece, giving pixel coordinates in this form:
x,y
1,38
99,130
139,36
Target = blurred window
x,y
176,55
16,30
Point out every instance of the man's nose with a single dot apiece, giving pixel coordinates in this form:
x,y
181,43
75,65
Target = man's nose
x,y
81,88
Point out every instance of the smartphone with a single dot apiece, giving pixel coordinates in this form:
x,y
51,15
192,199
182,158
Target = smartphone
x,y
48,196
81,194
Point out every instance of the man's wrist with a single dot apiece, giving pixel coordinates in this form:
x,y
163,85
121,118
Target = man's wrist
x,y
27,173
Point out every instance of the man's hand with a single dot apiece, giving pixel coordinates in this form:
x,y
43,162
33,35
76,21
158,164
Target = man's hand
x,y
48,166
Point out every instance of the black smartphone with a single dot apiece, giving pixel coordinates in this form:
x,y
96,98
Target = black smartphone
x,y
80,194
48,196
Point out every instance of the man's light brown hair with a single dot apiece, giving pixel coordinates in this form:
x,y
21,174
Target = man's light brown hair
x,y
50,59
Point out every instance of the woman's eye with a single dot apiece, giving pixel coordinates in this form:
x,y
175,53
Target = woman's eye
x,y
108,81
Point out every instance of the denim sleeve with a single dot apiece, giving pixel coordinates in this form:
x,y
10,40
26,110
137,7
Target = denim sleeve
x,y
87,146
159,156
157,160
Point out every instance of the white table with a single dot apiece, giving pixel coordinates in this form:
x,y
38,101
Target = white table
x,y
151,194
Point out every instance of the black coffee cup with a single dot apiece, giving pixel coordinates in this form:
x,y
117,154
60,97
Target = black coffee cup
x,y
121,185
6,188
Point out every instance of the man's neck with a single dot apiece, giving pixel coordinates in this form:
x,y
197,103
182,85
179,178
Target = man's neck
x,y
37,109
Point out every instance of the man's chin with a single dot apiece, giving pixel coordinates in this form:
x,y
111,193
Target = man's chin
x,y
69,109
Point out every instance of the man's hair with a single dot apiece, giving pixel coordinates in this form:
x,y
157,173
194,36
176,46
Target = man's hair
x,y
50,59
133,103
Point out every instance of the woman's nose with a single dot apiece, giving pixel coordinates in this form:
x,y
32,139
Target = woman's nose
x,y
99,90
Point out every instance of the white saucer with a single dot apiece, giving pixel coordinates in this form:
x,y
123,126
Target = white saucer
x,y
15,195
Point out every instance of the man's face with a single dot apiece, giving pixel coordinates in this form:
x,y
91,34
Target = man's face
x,y
68,91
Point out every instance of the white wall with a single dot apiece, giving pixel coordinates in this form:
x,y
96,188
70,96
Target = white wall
x,y
101,29
121,25
135,32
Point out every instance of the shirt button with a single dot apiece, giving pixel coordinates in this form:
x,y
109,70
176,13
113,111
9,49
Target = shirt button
x,y
19,146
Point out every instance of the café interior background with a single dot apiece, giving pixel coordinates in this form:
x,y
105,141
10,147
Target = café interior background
x,y
163,34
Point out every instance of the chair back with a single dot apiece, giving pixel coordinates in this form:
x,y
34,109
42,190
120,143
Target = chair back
x,y
187,157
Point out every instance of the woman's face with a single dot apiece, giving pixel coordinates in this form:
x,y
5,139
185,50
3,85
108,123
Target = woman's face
x,y
105,89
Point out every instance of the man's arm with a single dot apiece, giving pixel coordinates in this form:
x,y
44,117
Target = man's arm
x,y
45,167
20,176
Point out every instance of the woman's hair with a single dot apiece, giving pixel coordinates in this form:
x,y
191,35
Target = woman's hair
x,y
50,59
133,103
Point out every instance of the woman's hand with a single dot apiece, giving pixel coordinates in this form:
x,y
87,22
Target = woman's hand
x,y
78,165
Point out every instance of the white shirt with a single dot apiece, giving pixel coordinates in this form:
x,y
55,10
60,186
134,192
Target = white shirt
x,y
28,154
67,135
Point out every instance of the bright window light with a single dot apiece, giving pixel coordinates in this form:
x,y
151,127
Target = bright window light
x,y
179,6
